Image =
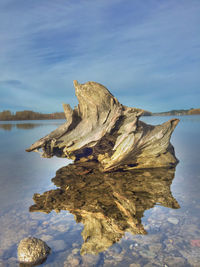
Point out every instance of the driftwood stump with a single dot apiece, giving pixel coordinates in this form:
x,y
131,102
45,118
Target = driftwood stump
x,y
103,130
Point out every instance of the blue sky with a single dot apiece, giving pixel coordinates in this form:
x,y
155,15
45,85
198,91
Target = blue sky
x,y
147,53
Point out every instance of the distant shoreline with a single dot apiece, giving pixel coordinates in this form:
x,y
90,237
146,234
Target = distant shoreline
x,y
6,115
176,112
34,119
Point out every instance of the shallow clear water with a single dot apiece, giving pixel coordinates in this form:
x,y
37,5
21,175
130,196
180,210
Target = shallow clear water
x,y
173,237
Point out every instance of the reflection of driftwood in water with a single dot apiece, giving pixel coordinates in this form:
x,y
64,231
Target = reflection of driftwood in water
x,y
108,204
102,129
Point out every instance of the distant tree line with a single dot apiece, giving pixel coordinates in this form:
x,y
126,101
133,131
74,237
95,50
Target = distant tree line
x,y
192,111
7,115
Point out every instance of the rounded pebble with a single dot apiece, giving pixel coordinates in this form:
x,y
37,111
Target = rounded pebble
x,y
32,250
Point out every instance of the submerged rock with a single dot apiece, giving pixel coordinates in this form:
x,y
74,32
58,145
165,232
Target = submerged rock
x,y
104,130
32,251
173,220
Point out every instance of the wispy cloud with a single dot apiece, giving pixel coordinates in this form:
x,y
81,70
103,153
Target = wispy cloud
x,y
146,53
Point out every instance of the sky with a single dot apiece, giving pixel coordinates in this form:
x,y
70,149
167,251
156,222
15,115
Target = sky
x,y
147,53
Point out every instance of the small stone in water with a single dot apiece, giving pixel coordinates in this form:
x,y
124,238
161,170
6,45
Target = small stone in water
x,y
46,237
32,250
173,220
195,243
58,245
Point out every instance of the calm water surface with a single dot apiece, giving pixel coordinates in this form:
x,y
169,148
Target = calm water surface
x,y
170,215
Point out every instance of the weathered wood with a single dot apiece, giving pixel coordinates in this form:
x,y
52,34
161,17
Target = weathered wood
x,y
102,129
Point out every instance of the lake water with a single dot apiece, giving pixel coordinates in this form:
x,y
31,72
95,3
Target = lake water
x,y
167,205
